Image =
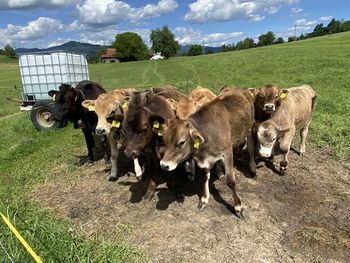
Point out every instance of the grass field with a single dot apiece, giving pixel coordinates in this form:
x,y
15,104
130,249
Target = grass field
x,y
29,158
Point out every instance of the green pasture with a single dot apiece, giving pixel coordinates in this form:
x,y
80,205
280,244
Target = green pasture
x,y
28,158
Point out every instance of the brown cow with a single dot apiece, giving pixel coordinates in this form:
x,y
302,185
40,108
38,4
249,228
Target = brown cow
x,y
103,106
140,129
267,100
294,113
209,135
185,106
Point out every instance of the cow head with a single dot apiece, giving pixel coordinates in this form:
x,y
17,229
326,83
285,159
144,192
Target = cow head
x,y
268,98
65,102
182,108
180,140
138,128
104,105
268,133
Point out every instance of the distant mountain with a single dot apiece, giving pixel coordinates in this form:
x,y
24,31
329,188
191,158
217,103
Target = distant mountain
x,y
184,49
71,46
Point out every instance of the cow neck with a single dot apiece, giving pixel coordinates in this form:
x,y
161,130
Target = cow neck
x,y
80,98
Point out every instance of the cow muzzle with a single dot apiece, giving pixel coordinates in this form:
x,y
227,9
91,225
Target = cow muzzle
x,y
100,131
168,166
269,107
265,152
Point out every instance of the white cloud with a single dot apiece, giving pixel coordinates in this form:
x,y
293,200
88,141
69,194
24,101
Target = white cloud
x,y
97,13
295,10
31,4
325,18
202,11
34,31
58,41
188,36
303,24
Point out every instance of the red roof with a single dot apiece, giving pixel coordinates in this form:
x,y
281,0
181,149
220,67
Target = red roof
x,y
110,53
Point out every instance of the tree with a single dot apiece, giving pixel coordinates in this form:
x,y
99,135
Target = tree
x,y
345,26
130,47
195,50
319,30
291,39
246,43
279,40
163,41
228,47
9,51
266,39
334,26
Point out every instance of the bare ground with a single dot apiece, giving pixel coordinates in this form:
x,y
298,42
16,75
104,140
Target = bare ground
x,y
303,216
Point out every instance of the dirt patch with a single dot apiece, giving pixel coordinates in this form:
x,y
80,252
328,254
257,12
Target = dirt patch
x,y
301,217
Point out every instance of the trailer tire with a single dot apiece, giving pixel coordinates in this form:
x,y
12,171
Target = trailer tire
x,y
40,115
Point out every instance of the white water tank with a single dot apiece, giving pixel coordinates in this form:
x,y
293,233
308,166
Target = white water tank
x,y
42,72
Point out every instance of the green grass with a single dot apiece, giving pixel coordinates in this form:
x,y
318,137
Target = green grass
x,y
28,158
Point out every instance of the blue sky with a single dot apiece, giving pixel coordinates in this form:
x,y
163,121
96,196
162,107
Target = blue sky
x,y
44,23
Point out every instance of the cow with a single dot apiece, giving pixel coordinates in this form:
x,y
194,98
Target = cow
x,y
267,100
208,136
104,105
68,107
141,130
294,112
184,106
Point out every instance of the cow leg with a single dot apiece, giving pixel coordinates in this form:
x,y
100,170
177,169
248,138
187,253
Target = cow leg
x,y
138,169
190,167
114,157
205,197
106,156
219,171
251,150
89,139
285,144
303,133
231,182
151,187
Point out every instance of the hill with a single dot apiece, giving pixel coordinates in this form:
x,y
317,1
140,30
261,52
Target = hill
x,y
71,46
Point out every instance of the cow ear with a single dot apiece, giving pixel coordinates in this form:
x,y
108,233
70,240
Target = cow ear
x,y
196,137
201,102
52,93
88,103
115,117
283,93
253,92
157,122
173,103
282,128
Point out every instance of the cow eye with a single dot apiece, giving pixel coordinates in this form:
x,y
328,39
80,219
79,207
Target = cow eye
x,y
274,139
143,131
261,97
180,144
276,97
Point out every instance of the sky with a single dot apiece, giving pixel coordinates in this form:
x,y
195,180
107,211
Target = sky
x,y
46,23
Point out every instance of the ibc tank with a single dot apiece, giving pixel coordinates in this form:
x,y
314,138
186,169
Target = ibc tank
x,y
42,72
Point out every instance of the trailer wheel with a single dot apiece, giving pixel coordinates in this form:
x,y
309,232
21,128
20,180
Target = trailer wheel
x,y
41,116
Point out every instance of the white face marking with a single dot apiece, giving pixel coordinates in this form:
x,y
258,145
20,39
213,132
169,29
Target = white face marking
x,y
137,168
265,151
105,128
171,165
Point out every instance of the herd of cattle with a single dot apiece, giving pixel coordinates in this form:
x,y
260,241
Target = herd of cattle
x,y
175,131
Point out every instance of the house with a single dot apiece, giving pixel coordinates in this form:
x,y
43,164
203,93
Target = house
x,y
157,56
110,56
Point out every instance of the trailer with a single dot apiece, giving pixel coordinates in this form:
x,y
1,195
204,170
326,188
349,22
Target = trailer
x,y
45,71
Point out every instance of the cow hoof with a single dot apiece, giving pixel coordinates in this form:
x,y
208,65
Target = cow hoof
x,y
148,196
239,214
282,171
252,175
138,178
89,163
180,197
202,206
301,153
112,178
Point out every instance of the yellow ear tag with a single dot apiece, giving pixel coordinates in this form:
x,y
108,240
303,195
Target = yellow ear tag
x,y
116,124
160,131
91,108
196,144
53,97
156,124
283,95
125,105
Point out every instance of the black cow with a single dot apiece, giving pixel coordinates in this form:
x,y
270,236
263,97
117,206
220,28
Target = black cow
x,y
68,106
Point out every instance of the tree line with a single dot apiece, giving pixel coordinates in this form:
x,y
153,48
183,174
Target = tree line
x,y
333,27
131,47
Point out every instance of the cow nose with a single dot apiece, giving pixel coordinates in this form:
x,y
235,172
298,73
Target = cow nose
x,y
132,154
270,107
164,166
100,131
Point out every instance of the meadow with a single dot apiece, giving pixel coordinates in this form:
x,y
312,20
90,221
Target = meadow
x,y
29,158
